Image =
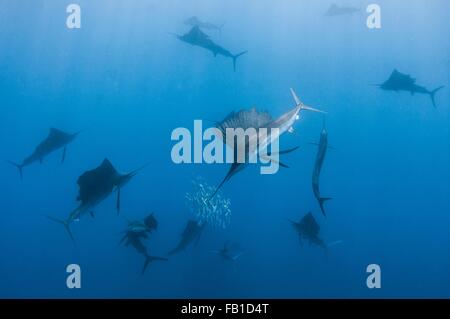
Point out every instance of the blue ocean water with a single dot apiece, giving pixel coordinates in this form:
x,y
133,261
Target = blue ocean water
x,y
126,82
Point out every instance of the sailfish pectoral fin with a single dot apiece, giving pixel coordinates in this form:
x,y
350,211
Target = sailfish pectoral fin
x,y
118,201
290,150
270,159
63,155
123,239
283,165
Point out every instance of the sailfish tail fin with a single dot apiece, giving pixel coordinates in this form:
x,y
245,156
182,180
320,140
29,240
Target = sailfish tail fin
x,y
322,201
235,58
66,225
303,106
432,94
149,259
19,167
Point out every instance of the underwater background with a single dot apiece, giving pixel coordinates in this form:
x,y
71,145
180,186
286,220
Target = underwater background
x,y
126,82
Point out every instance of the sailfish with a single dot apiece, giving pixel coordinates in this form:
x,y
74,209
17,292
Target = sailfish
x,y
136,232
308,228
191,233
229,251
320,157
55,140
404,82
95,186
253,119
198,38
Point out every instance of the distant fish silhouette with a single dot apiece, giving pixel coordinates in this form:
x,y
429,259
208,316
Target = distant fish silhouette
x,y
55,140
336,10
197,38
308,228
403,82
191,232
229,252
